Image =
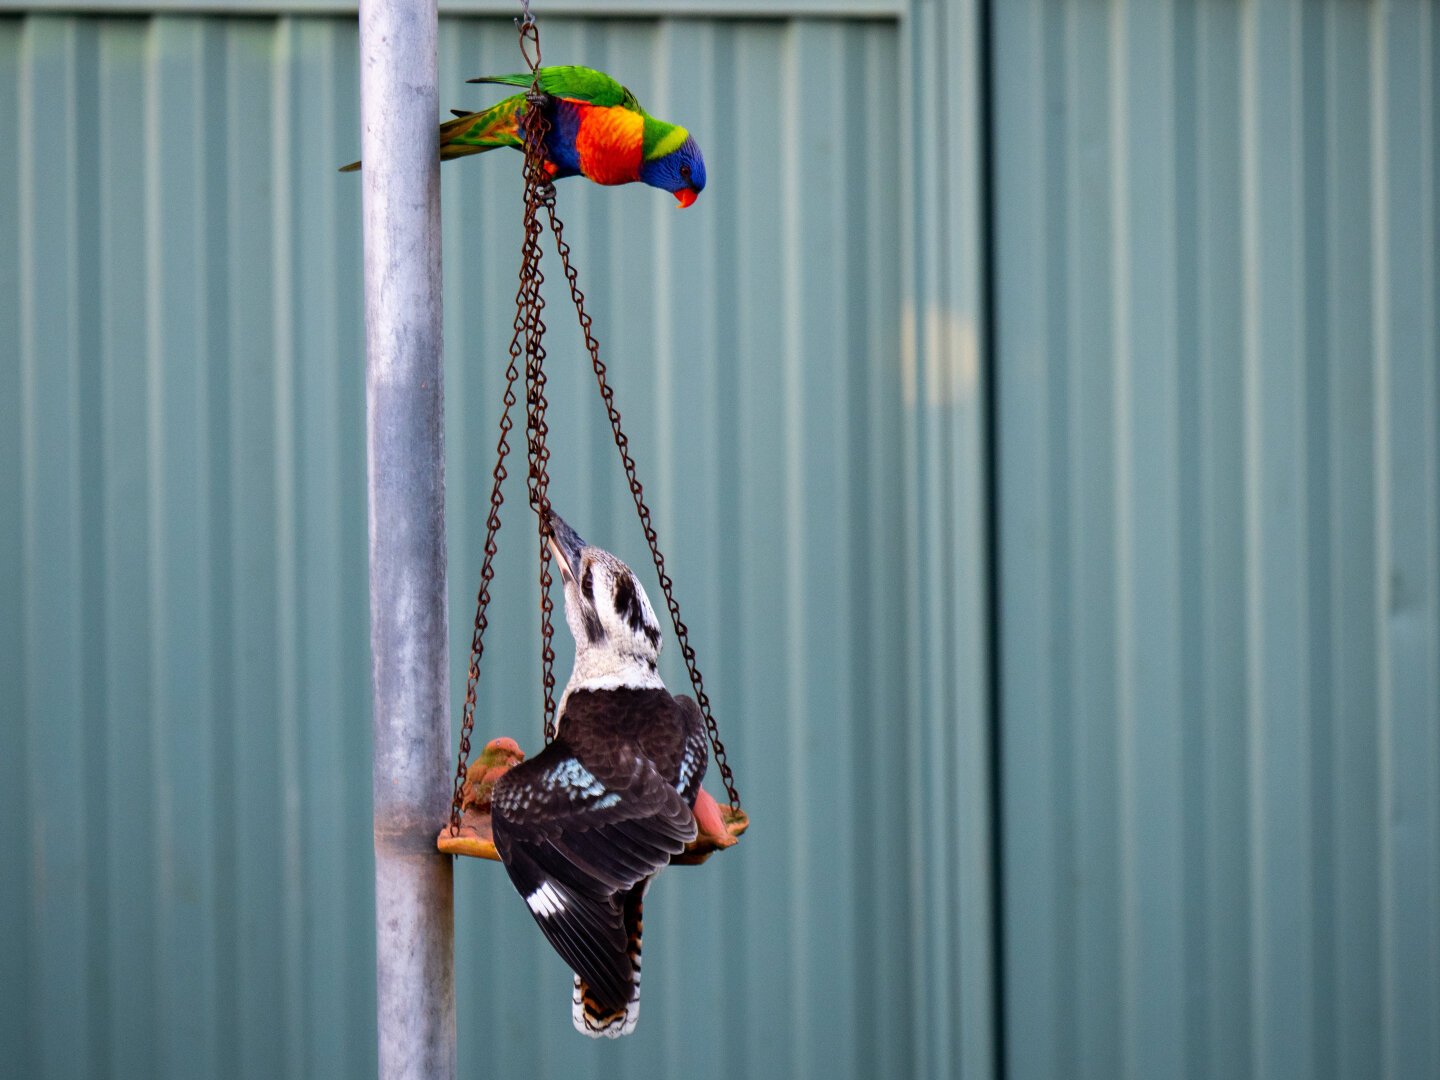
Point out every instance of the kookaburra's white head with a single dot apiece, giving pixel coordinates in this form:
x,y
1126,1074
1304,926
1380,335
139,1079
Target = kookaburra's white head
x,y
617,638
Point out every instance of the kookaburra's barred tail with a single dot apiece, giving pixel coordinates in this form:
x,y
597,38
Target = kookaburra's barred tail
x,y
595,1019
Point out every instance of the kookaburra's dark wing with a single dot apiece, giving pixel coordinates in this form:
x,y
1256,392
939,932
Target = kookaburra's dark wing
x,y
578,829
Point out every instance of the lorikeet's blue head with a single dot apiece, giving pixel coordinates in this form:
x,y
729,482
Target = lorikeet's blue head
x,y
681,171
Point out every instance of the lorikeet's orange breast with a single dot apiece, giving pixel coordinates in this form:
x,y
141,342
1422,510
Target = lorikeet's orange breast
x,y
609,142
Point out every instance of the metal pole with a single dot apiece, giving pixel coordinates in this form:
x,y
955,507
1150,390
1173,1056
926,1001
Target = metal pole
x,y
405,442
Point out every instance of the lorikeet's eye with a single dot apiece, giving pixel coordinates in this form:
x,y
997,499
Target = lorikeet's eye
x,y
685,171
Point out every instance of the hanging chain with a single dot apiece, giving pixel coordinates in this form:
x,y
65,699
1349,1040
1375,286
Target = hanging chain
x,y
529,329
538,191
537,429
637,491
487,574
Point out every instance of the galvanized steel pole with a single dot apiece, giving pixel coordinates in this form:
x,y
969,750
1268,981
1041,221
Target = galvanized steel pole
x,y
414,915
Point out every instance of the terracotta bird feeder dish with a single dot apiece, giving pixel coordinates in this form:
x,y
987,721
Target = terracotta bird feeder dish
x,y
719,826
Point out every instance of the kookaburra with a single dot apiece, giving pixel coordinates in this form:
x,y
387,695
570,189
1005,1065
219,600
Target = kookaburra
x,y
585,824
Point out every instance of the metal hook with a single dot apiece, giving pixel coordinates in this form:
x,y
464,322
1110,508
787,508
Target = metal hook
x,y
529,36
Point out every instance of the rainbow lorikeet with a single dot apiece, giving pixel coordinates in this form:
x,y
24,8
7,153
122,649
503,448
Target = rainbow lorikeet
x,y
597,130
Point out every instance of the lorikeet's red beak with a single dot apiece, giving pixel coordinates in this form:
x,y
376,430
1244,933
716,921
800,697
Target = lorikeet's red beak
x,y
686,196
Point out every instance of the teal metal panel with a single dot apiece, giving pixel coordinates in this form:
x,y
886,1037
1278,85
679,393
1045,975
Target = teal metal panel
x,y
15,951
182,527
949,663
1216,341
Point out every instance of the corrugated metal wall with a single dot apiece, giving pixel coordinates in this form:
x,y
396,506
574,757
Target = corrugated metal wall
x,y
1212,650
949,665
1219,485
183,543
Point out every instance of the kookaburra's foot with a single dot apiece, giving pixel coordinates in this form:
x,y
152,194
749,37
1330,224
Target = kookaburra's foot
x,y
711,825
498,757
717,827
475,837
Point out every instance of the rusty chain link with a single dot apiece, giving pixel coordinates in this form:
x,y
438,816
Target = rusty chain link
x,y
528,337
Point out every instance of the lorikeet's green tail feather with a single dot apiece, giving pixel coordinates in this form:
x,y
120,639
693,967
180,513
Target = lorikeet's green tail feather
x,y
476,132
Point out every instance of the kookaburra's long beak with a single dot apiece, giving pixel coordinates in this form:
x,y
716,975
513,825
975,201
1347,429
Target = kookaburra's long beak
x,y
566,545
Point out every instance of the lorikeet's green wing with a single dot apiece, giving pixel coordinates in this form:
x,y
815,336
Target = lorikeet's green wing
x,y
580,83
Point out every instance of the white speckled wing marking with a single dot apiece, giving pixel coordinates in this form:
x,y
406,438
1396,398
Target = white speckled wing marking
x,y
696,755
546,901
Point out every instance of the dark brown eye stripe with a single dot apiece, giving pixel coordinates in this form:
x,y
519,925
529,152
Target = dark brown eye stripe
x,y
628,607
624,595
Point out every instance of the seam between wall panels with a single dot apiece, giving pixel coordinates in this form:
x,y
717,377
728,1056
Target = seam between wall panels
x,y
991,489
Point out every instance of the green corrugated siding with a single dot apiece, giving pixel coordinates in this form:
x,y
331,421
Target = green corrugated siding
x,y
185,674
1219,458
1215,632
